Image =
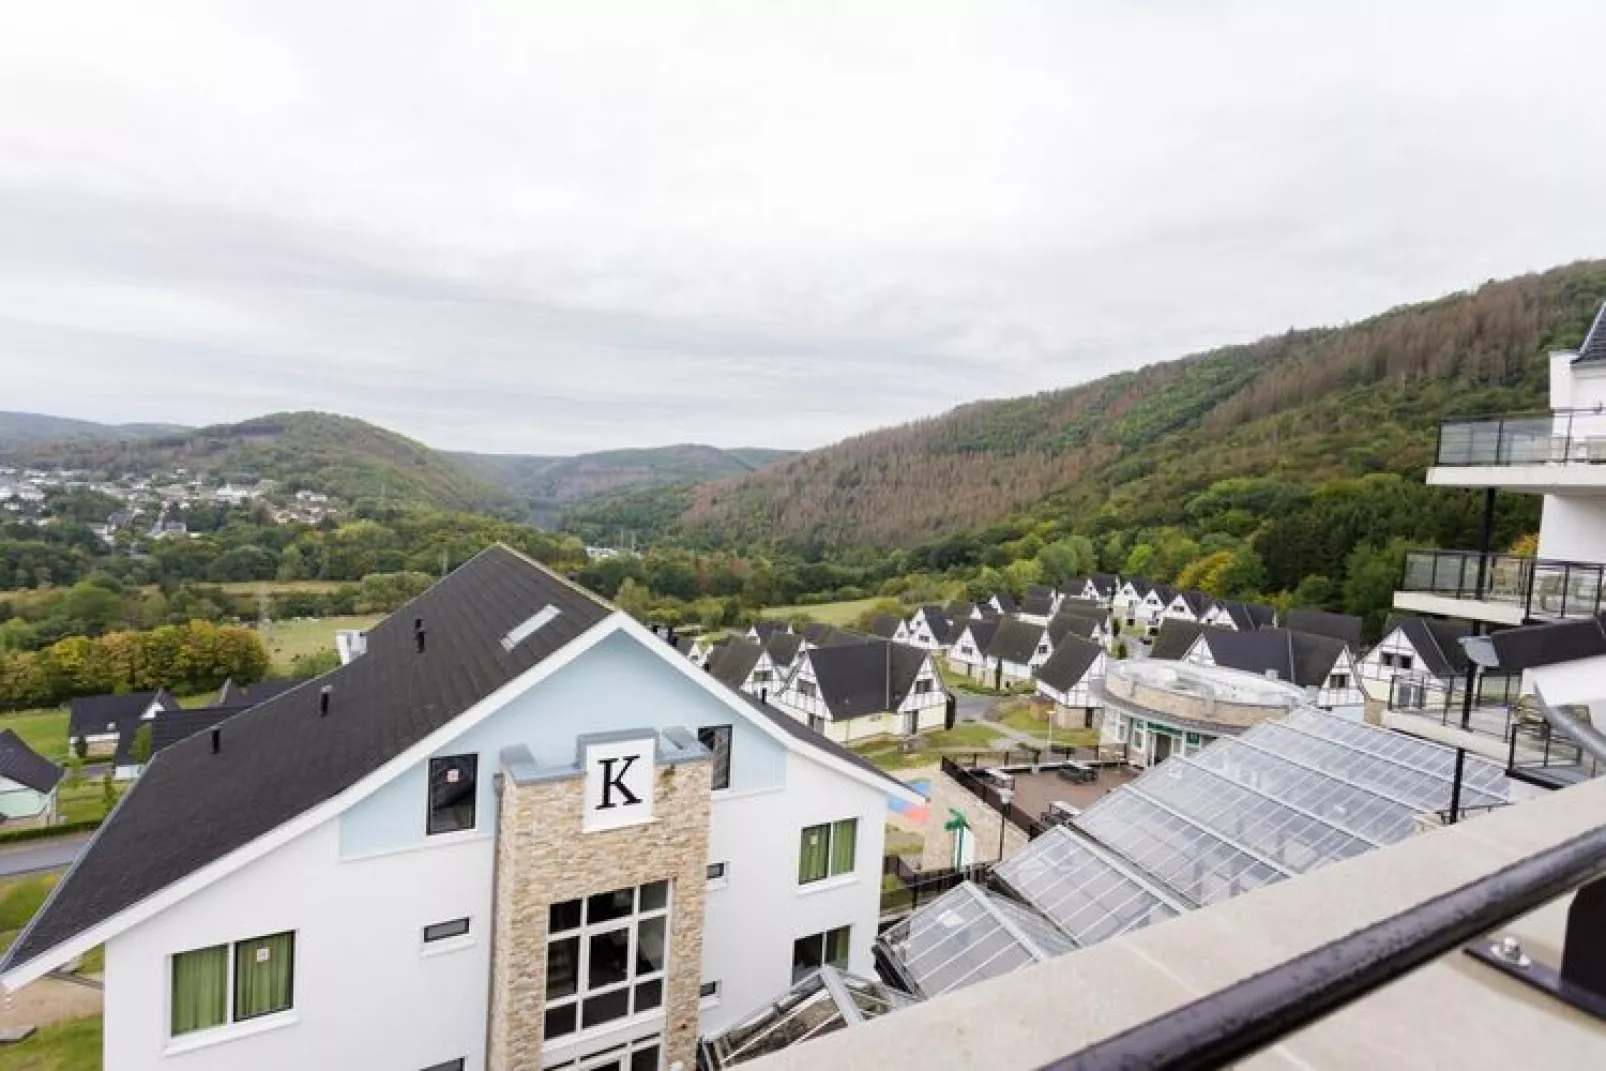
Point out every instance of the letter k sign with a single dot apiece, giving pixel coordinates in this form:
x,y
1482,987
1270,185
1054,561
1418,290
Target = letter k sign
x,y
615,782
619,781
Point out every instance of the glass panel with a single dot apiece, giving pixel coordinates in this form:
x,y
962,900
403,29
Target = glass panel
x,y
264,972
844,838
560,1021
813,856
807,953
650,945
562,968
442,930
200,989
654,896
606,1008
609,958
649,995
564,916
717,739
836,947
645,1058
610,905
451,793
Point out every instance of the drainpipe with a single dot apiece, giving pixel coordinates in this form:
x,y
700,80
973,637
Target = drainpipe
x,y
1472,666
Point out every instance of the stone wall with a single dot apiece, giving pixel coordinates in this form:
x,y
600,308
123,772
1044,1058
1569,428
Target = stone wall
x,y
543,857
949,795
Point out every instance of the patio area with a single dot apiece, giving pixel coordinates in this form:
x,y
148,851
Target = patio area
x,y
1034,792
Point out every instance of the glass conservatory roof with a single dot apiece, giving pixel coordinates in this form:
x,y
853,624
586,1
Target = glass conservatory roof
x,y
968,935
1088,892
825,1001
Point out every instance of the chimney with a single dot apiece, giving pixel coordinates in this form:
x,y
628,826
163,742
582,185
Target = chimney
x,y
324,694
418,634
217,739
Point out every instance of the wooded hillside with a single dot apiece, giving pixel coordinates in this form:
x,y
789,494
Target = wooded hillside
x,y
1303,407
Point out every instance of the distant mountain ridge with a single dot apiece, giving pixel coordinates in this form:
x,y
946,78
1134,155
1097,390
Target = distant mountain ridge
x,y
1135,447
20,429
551,484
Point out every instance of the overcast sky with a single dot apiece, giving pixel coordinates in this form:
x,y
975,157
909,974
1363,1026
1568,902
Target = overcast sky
x,y
554,227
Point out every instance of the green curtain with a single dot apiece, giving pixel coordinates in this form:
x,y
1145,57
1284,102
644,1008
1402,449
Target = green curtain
x,y
200,989
844,840
263,970
812,861
836,947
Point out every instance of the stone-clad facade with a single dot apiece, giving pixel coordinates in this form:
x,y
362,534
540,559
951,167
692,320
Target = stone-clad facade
x,y
947,795
544,857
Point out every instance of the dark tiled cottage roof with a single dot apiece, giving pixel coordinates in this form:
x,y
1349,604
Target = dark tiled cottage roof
x,y
1015,641
1346,627
1297,657
783,647
1437,643
90,715
868,678
1037,605
249,695
1176,637
1079,625
1248,616
733,663
885,626
25,766
1546,645
1072,658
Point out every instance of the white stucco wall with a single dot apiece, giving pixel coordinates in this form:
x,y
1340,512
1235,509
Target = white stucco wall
x,y
359,890
1573,528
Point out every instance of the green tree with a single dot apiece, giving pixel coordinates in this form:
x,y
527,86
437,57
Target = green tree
x,y
634,599
292,564
1315,592
1371,573
140,747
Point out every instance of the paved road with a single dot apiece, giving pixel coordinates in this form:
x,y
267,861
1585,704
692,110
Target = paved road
x,y
32,856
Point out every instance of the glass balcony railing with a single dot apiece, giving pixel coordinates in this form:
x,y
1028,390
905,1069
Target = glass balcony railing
x,y
1565,436
1545,590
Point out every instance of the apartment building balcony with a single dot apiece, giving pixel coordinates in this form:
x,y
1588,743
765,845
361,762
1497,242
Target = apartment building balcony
x,y
1560,452
1501,589
1427,708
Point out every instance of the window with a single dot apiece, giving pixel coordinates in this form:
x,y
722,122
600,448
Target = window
x,y
440,931
820,950
638,1055
1404,661
606,956
761,676
451,793
922,687
449,1065
718,871
717,739
212,986
708,989
806,688
1338,681
827,850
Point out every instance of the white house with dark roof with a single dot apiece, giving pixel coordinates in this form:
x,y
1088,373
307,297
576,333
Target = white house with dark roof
x,y
1148,610
969,650
519,831
1322,665
929,629
106,723
745,665
1417,658
1070,678
1240,616
1188,606
28,783
1017,648
858,691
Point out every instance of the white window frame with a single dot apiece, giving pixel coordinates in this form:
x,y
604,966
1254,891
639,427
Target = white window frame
x,y
585,932
231,1026
720,879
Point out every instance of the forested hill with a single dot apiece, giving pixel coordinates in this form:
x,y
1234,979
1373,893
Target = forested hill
x,y
340,456
1133,449
22,429
550,484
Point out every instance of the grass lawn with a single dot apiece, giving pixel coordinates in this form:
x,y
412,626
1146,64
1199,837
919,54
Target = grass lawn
x,y
887,751
85,800
280,587
840,614
287,639
71,1046
21,898
43,730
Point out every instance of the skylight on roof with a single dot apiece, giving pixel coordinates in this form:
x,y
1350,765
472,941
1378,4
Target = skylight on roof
x,y
529,628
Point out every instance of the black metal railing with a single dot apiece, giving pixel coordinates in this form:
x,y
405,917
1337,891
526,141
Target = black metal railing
x,y
989,792
1493,696
1234,1023
912,887
1545,589
1563,436
1543,754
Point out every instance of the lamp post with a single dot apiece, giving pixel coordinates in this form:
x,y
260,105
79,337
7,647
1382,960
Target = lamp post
x,y
1004,796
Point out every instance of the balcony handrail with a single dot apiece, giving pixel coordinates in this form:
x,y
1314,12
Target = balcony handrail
x,y
1538,438
1542,587
1598,409
1232,1024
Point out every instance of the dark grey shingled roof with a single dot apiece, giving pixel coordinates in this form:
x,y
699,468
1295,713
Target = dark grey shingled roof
x,y
1301,658
1006,602
1015,641
1594,347
732,663
766,629
783,647
1073,624
798,731
1139,585
280,759
959,609
90,714
1546,645
1196,601
1346,627
1437,643
1106,583
25,766
885,625
249,695
171,726
1175,637
1085,607
867,678
1069,663
1248,616
981,631
942,629
1037,605
1164,592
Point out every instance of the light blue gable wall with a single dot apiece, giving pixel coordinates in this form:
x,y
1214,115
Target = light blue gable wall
x,y
617,684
